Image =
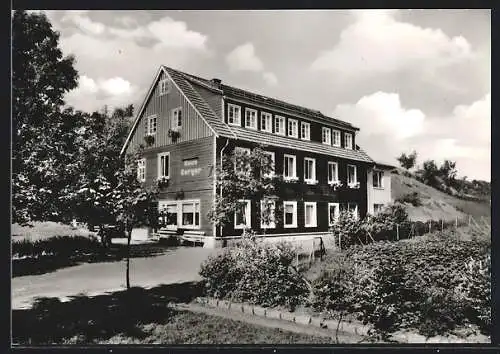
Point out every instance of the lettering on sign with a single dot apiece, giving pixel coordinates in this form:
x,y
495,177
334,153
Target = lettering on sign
x,y
193,171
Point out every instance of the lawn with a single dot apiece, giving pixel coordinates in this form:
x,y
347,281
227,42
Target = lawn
x,y
138,316
45,230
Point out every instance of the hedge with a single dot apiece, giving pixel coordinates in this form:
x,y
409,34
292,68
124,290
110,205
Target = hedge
x,y
63,246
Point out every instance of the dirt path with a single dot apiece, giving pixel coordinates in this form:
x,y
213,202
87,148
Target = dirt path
x,y
271,323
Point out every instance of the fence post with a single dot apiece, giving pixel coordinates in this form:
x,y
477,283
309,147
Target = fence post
x,y
469,219
430,227
456,222
397,231
297,257
441,225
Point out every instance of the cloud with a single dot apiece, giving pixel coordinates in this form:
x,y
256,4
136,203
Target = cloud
x,y
270,79
376,43
83,22
387,129
243,58
93,94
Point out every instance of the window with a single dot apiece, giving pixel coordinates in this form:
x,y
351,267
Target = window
x,y
238,163
279,125
333,172
377,179
242,215
310,217
176,118
164,86
310,170
333,213
305,131
250,118
191,214
151,125
289,167
233,114
326,136
293,128
351,175
164,164
267,214
289,214
141,170
353,209
266,122
168,215
348,141
377,208
336,137
271,156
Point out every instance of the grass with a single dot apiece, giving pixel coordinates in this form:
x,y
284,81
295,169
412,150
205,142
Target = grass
x,y
138,316
45,230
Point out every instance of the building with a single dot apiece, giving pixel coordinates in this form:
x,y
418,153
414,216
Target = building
x,y
187,123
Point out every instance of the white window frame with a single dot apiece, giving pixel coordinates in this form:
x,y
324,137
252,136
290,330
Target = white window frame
x,y
248,114
313,179
141,170
381,206
164,204
336,137
294,176
164,86
272,224
336,177
273,156
294,217
315,214
305,131
236,117
160,172
381,179
180,212
149,130
292,123
355,175
279,125
356,210
349,147
326,133
268,119
335,214
174,118
248,215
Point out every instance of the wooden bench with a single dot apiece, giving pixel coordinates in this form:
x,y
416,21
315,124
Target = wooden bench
x,y
193,235
165,233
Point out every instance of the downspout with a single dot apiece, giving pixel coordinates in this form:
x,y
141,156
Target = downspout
x,y
221,154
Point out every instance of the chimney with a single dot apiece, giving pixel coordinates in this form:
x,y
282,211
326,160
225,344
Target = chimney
x,y
216,82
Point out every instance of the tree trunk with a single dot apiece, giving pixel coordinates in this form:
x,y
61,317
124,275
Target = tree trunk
x,y
127,272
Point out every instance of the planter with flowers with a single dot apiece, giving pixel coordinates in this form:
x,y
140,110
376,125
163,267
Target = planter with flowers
x,y
336,185
149,139
354,185
162,182
174,134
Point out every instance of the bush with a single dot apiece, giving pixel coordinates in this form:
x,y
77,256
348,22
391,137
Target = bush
x,y
433,285
59,246
256,273
412,198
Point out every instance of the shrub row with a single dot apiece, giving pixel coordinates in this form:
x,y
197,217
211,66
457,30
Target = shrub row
x,y
432,286
64,246
256,273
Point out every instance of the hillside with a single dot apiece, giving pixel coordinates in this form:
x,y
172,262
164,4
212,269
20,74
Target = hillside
x,y
435,204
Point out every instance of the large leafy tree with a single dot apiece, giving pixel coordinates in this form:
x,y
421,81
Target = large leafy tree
x,y
44,158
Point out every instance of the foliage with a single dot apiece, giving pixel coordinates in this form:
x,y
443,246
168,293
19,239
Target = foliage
x,y
433,285
257,273
59,246
408,161
412,198
242,176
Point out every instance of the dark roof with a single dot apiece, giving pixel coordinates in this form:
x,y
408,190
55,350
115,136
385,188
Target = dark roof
x,y
304,145
384,166
231,91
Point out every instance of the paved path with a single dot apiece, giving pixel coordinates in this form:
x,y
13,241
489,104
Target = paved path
x,y
177,265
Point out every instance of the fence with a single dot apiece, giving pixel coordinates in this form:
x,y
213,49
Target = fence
x,y
413,229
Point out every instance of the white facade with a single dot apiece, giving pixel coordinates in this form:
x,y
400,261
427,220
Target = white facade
x,y
378,195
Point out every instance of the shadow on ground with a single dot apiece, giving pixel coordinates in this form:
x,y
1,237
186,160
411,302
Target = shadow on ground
x,y
117,252
86,319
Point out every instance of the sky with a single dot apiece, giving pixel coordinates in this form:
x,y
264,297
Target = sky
x,y
409,79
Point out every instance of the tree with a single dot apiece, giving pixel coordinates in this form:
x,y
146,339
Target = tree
x,y
244,176
448,172
429,174
408,161
43,132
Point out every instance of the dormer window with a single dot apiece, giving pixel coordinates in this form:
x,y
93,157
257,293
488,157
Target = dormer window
x,y
326,136
233,114
348,141
250,118
305,131
266,122
164,86
336,137
279,125
293,128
